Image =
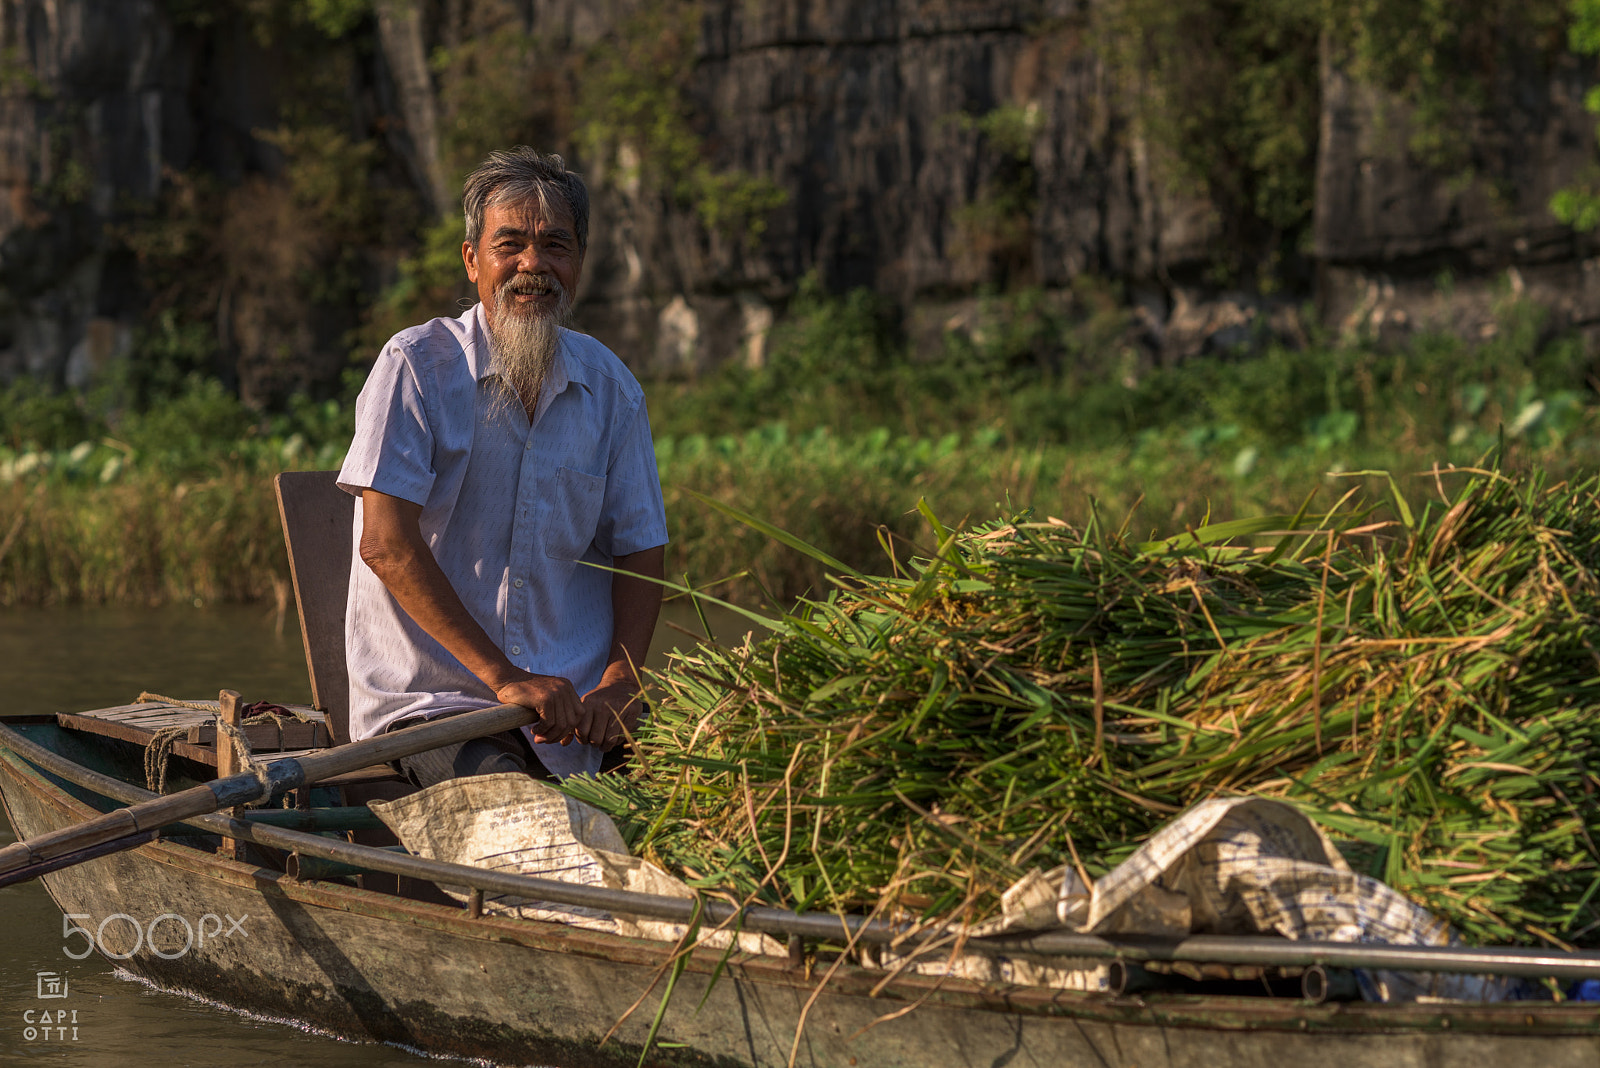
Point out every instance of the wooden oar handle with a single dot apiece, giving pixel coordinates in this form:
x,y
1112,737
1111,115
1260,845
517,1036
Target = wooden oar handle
x,y
408,741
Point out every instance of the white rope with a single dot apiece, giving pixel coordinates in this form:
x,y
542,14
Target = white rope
x,y
158,751
247,759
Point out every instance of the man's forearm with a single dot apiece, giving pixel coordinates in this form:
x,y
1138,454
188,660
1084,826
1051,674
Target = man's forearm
x,y
614,704
635,606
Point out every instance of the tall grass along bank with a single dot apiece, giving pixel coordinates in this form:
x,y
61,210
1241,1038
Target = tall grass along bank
x,y
151,534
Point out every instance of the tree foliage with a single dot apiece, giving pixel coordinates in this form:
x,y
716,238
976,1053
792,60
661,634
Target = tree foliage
x,y
635,110
1578,205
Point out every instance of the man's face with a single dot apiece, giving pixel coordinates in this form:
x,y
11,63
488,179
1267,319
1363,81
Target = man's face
x,y
521,246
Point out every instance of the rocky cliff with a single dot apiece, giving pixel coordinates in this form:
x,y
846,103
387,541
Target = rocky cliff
x,y
930,149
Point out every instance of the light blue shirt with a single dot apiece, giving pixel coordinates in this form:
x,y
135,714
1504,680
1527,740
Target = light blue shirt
x,y
513,512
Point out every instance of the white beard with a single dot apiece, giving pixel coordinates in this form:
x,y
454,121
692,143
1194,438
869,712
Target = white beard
x,y
523,339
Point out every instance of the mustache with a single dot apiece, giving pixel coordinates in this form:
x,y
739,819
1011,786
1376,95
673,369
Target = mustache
x,y
532,285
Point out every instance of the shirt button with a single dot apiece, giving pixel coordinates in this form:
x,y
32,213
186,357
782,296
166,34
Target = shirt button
x,y
529,445
517,583
516,650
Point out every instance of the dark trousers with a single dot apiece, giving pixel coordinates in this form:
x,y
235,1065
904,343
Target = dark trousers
x,y
507,751
494,753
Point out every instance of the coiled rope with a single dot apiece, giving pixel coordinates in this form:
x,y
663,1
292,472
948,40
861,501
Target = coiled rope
x,y
158,752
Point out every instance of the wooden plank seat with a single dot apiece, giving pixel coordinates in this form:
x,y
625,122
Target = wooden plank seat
x,y
138,723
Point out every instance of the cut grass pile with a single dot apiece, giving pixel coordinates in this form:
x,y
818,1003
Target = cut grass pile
x,y
1031,694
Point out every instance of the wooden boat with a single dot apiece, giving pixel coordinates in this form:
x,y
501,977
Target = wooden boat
x,y
277,927
375,965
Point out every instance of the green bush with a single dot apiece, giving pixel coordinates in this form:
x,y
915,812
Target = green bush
x,y
835,437
35,417
1037,372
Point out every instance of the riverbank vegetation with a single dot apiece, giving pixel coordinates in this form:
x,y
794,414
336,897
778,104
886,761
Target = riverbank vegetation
x,y
835,437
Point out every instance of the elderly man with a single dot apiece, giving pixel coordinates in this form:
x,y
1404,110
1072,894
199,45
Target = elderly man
x,y
496,456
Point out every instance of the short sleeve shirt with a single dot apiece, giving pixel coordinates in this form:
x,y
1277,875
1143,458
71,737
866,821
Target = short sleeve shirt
x,y
514,513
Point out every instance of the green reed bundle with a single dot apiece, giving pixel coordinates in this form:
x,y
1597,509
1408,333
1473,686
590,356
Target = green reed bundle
x,y
1035,695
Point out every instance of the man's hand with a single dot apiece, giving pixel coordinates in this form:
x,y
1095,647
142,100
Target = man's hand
x,y
616,707
563,718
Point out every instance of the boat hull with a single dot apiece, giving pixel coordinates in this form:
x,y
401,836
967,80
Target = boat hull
x,y
369,965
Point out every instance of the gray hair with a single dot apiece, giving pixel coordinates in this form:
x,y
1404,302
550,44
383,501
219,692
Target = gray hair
x,y
507,176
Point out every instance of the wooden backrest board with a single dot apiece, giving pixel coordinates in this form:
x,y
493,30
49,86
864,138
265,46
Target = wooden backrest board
x,y
317,517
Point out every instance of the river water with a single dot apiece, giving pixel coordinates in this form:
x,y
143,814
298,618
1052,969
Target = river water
x,y
64,660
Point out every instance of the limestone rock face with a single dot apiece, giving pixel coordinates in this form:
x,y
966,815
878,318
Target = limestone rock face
x,y
81,100
101,103
869,116
1376,203
876,119
1404,246
865,114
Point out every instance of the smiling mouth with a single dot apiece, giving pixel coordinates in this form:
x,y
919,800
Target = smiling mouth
x,y
532,294
531,290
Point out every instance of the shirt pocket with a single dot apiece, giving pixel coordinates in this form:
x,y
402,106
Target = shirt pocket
x,y
573,514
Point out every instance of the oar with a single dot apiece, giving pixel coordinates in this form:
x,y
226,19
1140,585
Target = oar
x,y
129,827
